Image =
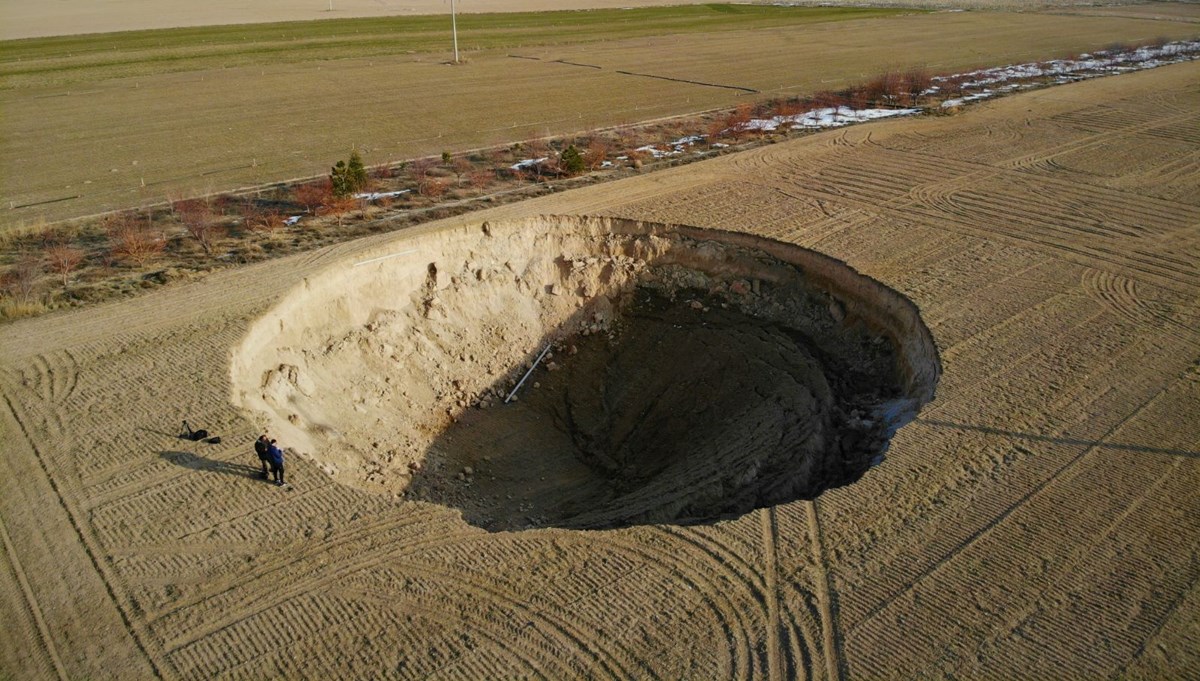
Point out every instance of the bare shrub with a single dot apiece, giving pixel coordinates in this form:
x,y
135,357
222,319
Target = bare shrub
x,y
339,207
480,179
828,99
132,240
63,259
499,157
421,168
536,148
638,158
271,221
533,150
715,130
952,85
461,167
552,167
314,195
20,280
884,89
628,138
595,153
432,187
200,222
259,219
859,97
791,107
736,122
916,81
364,205
251,213
223,204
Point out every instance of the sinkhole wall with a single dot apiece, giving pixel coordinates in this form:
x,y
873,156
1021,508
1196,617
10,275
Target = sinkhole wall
x,y
363,366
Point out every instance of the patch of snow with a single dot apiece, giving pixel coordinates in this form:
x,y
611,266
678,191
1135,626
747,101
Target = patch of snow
x,y
830,117
1086,66
655,151
529,163
375,196
688,141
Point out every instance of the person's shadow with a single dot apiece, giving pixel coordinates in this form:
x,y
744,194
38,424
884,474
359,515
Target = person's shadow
x,y
200,463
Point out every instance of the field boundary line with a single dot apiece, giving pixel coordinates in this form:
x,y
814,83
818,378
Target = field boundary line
x,y
831,640
31,600
86,543
770,569
747,90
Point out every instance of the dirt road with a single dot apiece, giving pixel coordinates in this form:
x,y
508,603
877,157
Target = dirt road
x,y
1039,519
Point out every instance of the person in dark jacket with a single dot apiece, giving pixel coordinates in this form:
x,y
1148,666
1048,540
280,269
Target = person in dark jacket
x,y
260,448
275,457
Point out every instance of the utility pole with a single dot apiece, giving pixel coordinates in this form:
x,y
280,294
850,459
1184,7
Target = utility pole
x,y
453,29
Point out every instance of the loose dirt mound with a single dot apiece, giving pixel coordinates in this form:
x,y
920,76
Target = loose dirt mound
x,y
686,375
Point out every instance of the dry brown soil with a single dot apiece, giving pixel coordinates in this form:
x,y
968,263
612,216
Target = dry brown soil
x,y
1039,519
80,148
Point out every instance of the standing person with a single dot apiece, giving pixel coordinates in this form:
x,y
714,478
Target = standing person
x,y
261,445
275,456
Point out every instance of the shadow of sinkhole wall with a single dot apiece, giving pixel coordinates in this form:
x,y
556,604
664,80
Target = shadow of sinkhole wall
x,y
691,374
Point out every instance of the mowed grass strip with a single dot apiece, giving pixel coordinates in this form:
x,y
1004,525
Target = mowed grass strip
x,y
71,59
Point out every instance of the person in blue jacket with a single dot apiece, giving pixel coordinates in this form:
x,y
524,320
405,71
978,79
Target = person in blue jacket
x,y
275,458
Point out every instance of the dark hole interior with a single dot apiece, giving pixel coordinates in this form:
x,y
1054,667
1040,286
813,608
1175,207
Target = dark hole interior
x,y
684,409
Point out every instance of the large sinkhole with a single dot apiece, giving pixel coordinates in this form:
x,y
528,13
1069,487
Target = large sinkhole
x,y
678,375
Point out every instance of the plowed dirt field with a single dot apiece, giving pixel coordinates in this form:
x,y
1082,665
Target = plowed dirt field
x,y
1039,518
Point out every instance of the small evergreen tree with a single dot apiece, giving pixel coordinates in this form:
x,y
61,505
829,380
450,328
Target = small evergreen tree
x,y
357,171
339,176
348,178
572,160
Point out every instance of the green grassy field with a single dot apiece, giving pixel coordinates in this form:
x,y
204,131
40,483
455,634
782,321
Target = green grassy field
x,y
85,58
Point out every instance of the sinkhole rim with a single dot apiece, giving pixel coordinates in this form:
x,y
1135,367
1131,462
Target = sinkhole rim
x,y
344,299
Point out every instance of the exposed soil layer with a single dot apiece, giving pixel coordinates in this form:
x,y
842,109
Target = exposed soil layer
x,y
690,375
